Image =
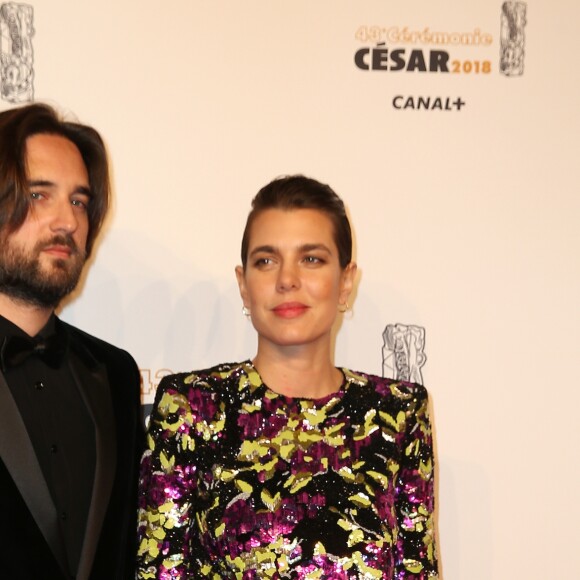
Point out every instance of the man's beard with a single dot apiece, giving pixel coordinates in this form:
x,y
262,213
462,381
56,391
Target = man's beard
x,y
23,278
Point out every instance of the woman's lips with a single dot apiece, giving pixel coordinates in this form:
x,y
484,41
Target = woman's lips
x,y
290,309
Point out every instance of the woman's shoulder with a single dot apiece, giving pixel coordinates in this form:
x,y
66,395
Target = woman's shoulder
x,y
385,385
218,373
209,379
200,392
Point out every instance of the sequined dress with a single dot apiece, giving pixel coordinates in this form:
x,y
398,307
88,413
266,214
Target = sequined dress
x,y
241,482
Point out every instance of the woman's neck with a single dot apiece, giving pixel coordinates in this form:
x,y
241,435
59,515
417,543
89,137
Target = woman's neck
x,y
298,373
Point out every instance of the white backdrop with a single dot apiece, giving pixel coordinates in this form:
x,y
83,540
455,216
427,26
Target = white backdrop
x,y
466,219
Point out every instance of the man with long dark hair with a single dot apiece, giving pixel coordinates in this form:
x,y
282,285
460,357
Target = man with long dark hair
x,y
70,429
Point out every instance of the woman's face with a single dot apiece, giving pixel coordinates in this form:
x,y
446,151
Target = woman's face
x,y
293,283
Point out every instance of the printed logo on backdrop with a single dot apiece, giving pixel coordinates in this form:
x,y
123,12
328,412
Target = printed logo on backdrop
x,y
16,56
404,352
454,53
150,379
512,38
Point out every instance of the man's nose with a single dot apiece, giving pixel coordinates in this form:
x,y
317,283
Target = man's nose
x,y
64,217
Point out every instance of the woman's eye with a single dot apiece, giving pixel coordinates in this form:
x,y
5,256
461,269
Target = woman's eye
x,y
36,195
262,261
313,260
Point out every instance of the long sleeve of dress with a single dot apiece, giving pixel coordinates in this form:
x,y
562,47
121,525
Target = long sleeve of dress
x,y
167,485
416,554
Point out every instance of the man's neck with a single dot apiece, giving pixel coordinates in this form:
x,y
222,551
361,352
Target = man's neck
x,y
31,319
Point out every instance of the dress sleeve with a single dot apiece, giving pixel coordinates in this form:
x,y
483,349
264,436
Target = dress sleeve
x,y
166,487
416,557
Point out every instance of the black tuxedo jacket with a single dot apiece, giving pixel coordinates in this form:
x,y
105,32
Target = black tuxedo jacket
x,y
30,545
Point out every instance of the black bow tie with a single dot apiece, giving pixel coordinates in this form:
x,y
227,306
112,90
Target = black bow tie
x,y
16,349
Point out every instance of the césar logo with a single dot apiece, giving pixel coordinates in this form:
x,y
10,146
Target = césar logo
x,y
380,58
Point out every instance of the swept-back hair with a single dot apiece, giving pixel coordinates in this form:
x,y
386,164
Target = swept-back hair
x,y
16,126
300,192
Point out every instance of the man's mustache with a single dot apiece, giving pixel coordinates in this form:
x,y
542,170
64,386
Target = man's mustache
x,y
60,240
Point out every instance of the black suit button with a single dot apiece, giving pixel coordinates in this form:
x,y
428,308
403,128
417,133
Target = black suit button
x,y
53,448
39,385
63,516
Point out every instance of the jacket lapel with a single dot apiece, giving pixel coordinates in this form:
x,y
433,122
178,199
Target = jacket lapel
x,y
20,459
92,381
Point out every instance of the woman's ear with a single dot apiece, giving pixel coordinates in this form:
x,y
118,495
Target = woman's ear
x,y
347,282
242,284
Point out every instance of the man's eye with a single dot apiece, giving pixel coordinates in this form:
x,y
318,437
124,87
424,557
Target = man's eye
x,y
80,203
